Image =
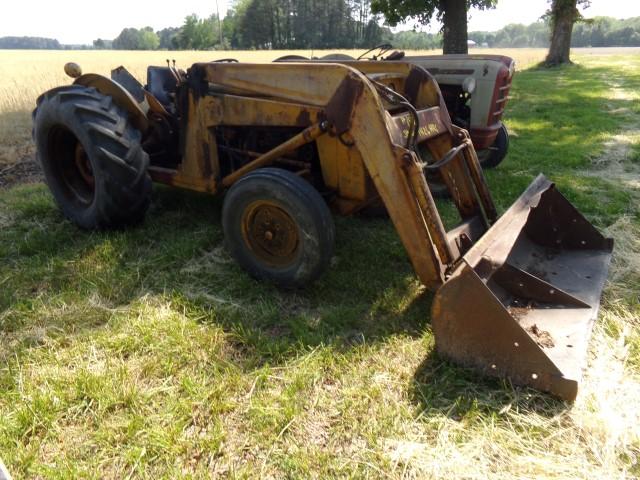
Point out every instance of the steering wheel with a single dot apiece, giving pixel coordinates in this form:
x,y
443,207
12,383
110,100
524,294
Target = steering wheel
x,y
379,49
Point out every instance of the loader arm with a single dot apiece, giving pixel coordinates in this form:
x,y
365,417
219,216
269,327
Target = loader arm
x,y
347,96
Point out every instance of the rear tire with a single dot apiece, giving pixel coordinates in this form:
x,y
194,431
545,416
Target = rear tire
x,y
92,159
278,227
494,155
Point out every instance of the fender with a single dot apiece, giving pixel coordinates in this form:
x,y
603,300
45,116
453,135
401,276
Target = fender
x,y
120,95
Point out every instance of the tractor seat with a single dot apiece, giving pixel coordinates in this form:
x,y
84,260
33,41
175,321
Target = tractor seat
x,y
161,83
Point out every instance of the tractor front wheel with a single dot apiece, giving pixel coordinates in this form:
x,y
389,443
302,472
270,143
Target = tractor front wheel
x,y
92,159
492,156
278,227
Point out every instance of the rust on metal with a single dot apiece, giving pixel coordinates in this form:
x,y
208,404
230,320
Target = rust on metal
x,y
235,109
304,137
477,176
176,178
532,292
430,120
270,233
500,95
463,236
516,296
339,110
542,337
428,209
84,166
304,118
413,84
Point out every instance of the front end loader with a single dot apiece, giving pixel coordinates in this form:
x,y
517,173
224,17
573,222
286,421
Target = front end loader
x,y
516,296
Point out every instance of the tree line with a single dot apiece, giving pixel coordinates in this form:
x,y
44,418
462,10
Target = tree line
x,y
253,24
281,31
596,32
294,24
267,24
31,43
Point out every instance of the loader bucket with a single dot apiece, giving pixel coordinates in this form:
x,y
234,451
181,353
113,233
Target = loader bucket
x,y
522,302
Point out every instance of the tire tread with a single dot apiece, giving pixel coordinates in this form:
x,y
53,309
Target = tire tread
x,y
123,185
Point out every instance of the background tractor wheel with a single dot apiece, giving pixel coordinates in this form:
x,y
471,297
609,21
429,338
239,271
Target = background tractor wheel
x,y
278,227
290,58
337,56
91,157
492,156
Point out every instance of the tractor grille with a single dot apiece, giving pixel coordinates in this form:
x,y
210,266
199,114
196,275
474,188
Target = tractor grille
x,y
502,95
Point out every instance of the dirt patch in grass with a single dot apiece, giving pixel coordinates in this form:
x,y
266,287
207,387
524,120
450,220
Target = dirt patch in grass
x,y
24,170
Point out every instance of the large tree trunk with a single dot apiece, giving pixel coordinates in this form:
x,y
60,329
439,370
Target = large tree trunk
x,y
454,30
564,14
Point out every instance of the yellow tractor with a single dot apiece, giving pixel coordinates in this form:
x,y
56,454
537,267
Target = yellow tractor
x,y
287,143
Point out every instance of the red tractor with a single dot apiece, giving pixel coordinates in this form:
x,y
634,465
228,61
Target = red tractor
x,y
475,89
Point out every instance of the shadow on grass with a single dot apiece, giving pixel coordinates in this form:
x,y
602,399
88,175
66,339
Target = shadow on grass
x,y
442,388
368,295
73,281
559,118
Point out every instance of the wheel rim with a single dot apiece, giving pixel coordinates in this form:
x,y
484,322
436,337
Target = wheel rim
x,y
81,160
271,233
71,166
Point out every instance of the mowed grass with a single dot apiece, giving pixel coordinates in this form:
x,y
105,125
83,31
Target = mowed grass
x,y
148,353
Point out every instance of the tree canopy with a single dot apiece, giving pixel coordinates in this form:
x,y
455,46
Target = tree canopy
x,y
287,24
134,39
270,24
452,14
422,11
199,33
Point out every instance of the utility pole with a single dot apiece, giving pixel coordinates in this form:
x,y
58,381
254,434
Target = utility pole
x,y
219,23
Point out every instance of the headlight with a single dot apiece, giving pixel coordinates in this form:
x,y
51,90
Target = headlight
x,y
469,85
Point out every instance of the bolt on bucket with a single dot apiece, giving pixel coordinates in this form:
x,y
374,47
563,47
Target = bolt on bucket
x,y
523,300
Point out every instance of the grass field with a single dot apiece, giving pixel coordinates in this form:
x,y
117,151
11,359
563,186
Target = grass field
x,y
149,354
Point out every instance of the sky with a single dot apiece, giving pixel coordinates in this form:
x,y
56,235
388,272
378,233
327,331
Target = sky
x,y
81,22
